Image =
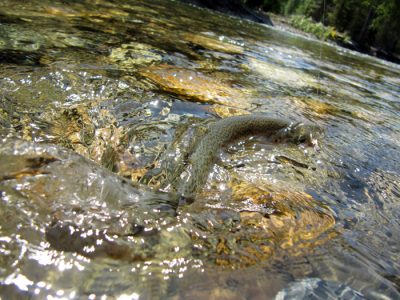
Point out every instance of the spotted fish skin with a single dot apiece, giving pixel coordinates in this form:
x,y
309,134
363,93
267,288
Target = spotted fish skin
x,y
224,131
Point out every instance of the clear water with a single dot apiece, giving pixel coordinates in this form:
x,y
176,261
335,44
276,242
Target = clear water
x,y
79,78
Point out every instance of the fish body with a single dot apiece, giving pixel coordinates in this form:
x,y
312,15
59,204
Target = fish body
x,y
225,131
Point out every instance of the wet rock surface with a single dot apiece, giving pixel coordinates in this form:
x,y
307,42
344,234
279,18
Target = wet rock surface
x,y
195,86
130,55
89,210
213,43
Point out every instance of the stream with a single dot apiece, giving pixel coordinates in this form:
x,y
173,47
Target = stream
x,y
102,104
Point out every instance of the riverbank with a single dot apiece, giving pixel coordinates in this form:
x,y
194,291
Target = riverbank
x,y
297,24
283,24
305,27
286,24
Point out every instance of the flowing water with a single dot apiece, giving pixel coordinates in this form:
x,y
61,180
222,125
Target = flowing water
x,y
101,105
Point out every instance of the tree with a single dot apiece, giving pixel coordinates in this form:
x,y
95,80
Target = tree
x,y
367,22
387,24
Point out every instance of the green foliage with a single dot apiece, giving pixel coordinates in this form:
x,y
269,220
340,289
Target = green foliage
x,y
311,8
308,25
291,7
318,29
367,22
340,13
387,24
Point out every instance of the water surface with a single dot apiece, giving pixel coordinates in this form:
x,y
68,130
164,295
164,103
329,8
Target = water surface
x,y
102,101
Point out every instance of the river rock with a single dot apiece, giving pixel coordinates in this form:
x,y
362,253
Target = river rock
x,y
93,135
226,111
213,44
131,55
281,75
273,221
195,86
80,206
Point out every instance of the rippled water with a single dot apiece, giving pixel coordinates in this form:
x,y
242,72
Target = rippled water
x,y
101,104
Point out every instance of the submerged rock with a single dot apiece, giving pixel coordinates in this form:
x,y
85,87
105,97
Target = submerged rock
x,y
293,217
80,206
195,86
264,224
213,44
93,135
132,55
281,75
324,109
226,111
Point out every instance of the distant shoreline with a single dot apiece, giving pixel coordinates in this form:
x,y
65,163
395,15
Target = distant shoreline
x,y
282,23
240,10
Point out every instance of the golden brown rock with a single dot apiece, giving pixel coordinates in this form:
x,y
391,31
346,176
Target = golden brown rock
x,y
99,140
225,111
324,109
130,56
276,223
295,216
195,86
213,44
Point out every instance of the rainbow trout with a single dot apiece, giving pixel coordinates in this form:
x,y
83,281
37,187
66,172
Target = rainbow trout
x,y
227,130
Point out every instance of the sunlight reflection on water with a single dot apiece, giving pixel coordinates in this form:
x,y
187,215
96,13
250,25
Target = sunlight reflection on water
x,y
132,87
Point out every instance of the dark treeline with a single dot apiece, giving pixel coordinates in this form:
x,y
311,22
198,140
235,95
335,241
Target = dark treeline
x,y
234,7
373,25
